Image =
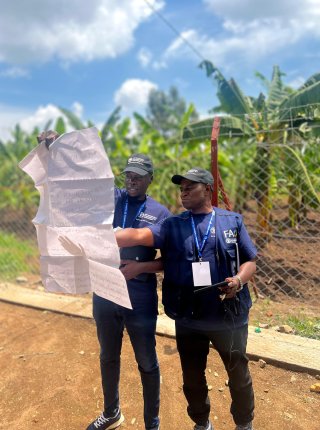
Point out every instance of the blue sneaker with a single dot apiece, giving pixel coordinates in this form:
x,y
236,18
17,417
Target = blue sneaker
x,y
208,426
104,423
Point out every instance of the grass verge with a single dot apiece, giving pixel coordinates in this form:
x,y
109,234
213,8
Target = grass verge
x,y
16,256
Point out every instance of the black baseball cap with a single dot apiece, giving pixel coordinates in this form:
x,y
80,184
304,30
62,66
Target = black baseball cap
x,y
140,164
196,174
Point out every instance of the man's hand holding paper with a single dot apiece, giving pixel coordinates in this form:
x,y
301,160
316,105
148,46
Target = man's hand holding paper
x,y
78,249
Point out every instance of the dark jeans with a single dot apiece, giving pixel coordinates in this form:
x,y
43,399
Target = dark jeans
x,y
111,320
193,347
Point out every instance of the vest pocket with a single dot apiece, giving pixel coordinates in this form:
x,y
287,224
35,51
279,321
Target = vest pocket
x,y
232,261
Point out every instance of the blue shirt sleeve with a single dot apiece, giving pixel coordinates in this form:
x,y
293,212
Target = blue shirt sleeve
x,y
159,233
247,249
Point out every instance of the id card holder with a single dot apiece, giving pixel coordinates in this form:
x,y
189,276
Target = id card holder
x,y
201,273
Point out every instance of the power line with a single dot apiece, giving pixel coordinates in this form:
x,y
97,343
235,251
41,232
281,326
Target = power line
x,y
175,31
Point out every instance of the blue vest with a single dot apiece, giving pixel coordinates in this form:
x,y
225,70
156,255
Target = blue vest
x,y
178,250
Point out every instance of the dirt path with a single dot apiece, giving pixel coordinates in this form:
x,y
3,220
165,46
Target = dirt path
x,y
50,380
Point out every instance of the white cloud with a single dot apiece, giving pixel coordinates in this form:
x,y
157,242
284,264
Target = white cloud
x,y
46,113
29,120
297,82
144,57
40,117
14,72
133,94
251,10
9,117
38,31
250,18
251,30
158,65
77,109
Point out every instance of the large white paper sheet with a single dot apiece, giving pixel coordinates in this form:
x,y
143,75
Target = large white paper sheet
x,y
78,250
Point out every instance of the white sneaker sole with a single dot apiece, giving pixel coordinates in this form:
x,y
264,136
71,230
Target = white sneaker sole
x,y
117,423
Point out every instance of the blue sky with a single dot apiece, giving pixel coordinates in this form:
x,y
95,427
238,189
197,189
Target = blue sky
x,y
90,57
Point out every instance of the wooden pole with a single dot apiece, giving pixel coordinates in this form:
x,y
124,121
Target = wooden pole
x,y
214,159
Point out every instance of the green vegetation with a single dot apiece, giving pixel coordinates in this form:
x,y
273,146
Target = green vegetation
x,y
305,326
268,139
15,256
268,154
304,322
302,325
165,111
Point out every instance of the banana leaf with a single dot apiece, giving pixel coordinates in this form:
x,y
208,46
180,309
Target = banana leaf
x,y
74,121
296,165
111,121
200,131
299,101
60,126
229,94
276,93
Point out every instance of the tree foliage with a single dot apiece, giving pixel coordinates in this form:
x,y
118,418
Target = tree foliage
x,y
166,110
263,142
268,121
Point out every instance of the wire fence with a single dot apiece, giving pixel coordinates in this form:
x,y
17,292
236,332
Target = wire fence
x,y
274,183
271,175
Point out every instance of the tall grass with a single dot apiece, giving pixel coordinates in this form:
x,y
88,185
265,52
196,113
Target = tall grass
x,y
16,256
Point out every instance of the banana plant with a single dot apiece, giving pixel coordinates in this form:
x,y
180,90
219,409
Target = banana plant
x,y
17,193
170,155
263,121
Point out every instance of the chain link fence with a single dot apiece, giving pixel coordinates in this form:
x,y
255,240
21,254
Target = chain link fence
x,y
19,256
275,185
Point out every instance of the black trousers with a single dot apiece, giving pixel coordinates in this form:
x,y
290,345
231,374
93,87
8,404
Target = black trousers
x,y
193,347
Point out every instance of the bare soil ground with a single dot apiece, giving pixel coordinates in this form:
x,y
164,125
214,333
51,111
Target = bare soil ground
x,y
50,377
288,265
50,380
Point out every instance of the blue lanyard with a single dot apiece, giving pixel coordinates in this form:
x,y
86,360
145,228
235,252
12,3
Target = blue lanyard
x,y
125,212
205,238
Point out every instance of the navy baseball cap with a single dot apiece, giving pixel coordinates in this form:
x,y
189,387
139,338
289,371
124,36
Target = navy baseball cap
x,y
140,164
196,174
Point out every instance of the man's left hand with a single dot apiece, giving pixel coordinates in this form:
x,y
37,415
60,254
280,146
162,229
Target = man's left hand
x,y
130,269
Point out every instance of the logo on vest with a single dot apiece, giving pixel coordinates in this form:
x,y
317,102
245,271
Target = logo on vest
x,y
151,219
230,235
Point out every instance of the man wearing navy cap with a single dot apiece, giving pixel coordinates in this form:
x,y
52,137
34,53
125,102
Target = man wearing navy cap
x,y
134,209
200,248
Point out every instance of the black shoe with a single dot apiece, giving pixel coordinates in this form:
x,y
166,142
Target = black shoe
x,y
104,423
244,426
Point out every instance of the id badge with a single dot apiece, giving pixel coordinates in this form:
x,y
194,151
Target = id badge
x,y
201,273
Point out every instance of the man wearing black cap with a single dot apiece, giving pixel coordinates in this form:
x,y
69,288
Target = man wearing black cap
x,y
200,248
135,209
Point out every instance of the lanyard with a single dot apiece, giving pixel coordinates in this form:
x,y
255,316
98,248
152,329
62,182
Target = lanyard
x,y
205,237
125,212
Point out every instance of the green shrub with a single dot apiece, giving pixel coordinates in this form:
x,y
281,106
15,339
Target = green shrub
x,y
304,326
16,256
